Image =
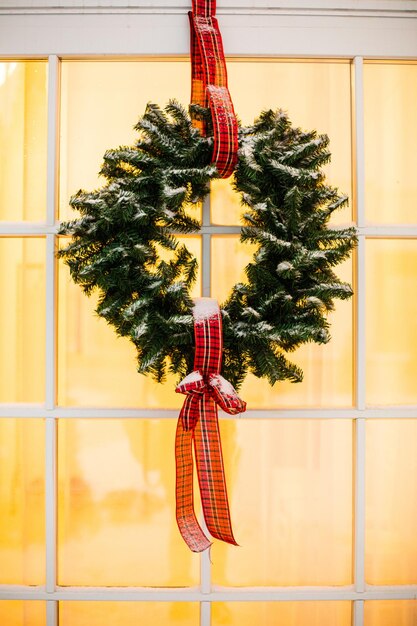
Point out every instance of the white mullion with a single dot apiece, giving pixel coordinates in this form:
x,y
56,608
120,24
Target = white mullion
x,y
53,134
359,142
360,423
387,231
406,231
50,343
38,411
360,332
50,425
218,594
206,265
50,315
359,490
360,326
50,504
360,369
21,229
205,613
51,613
358,613
206,248
213,229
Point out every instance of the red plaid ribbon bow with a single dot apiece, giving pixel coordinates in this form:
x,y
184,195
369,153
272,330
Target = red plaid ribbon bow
x,y
205,389
209,83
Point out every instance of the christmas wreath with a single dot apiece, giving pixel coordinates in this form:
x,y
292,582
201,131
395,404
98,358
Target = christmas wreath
x,y
125,244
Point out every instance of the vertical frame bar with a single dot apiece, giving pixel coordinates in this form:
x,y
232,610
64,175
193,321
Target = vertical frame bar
x,y
359,505
205,613
52,613
206,251
50,504
360,342
50,374
51,424
360,324
50,347
53,134
358,613
359,141
360,321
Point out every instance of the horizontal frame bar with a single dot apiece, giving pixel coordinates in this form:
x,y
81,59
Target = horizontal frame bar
x,y
386,8
30,229
40,411
218,594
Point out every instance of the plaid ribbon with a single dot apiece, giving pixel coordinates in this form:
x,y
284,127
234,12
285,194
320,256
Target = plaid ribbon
x,y
209,84
205,389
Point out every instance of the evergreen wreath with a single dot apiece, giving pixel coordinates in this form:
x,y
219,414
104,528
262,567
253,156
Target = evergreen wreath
x,y
151,188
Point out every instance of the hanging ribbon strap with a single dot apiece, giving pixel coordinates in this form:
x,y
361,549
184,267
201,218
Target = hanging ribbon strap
x,y
205,390
209,84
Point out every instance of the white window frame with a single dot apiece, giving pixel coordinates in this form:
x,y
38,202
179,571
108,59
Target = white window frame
x,y
308,28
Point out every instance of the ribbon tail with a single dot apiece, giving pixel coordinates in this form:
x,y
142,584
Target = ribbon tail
x,y
198,87
187,522
210,471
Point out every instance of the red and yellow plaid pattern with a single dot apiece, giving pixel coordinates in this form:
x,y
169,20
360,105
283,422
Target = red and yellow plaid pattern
x,y
205,389
209,84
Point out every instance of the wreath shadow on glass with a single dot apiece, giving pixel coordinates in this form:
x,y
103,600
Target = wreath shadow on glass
x,y
128,229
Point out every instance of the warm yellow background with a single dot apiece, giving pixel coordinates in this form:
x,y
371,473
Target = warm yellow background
x,y
128,613
116,515
394,613
290,487
391,502
22,319
277,613
22,613
391,316
390,142
23,140
22,498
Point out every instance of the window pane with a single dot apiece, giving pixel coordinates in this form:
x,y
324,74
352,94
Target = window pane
x,y
117,505
391,275
290,488
316,95
97,368
391,613
328,376
285,613
101,103
22,503
128,613
22,613
22,320
390,92
23,137
391,509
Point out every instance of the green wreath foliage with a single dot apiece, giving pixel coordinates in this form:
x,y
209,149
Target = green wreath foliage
x,y
125,245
